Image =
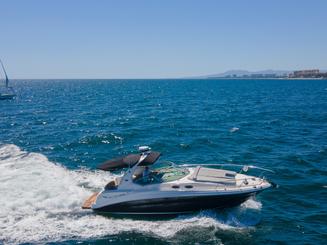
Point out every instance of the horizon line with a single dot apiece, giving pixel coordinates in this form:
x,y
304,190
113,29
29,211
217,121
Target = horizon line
x,y
191,78
206,76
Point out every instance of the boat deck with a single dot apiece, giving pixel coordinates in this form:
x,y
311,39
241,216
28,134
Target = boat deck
x,y
88,202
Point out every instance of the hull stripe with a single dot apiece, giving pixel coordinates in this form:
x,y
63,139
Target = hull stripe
x,y
176,204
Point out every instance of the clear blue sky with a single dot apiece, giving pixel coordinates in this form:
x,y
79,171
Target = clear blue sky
x,y
159,38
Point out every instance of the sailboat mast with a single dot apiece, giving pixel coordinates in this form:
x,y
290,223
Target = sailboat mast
x,y
7,80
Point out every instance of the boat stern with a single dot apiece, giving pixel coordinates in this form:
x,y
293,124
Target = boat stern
x,y
90,201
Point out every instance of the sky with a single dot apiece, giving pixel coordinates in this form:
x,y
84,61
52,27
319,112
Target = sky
x,y
159,39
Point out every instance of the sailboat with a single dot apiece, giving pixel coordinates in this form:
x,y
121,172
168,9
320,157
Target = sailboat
x,y
9,92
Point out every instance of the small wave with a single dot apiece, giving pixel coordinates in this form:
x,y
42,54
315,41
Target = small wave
x,y
234,129
184,146
43,202
100,139
116,137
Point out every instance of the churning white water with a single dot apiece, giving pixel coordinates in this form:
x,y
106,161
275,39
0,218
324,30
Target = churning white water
x,y
40,201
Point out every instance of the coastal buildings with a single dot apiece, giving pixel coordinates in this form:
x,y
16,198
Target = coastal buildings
x,y
270,74
314,73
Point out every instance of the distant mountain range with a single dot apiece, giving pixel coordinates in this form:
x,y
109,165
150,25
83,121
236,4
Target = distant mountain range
x,y
245,73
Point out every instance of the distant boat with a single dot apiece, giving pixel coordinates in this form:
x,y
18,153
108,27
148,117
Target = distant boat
x,y
8,92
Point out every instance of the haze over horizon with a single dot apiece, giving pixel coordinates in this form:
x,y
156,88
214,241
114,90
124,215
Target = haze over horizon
x,y
156,39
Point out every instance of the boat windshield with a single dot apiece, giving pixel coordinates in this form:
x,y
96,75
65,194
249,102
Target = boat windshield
x,y
159,173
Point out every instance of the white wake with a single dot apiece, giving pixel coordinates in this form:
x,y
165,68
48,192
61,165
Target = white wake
x,y
40,202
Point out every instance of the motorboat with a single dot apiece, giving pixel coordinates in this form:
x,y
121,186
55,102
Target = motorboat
x,y
147,187
8,92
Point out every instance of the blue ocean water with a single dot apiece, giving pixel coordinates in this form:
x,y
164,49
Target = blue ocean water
x,y
56,132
